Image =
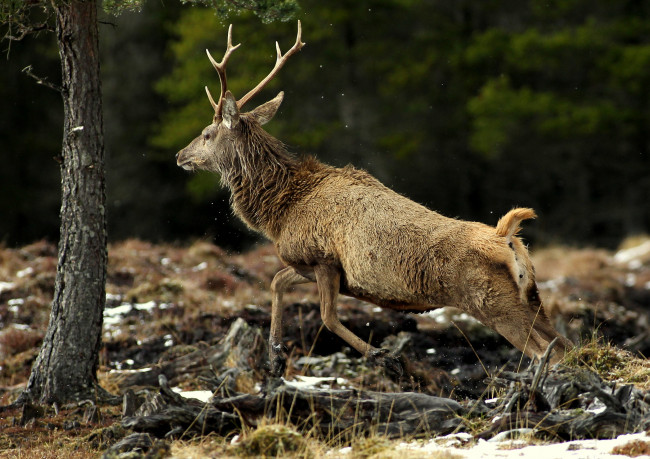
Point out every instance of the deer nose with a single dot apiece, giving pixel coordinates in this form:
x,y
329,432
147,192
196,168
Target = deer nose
x,y
177,155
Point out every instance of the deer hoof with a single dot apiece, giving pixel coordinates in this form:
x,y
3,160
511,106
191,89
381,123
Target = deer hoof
x,y
278,359
391,362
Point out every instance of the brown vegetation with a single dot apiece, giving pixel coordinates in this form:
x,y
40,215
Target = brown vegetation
x,y
164,303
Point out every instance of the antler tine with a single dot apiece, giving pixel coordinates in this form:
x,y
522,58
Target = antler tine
x,y
220,67
279,62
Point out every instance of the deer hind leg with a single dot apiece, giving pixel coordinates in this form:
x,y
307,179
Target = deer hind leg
x,y
328,280
281,282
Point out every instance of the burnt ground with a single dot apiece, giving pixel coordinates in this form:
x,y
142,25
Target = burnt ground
x,y
165,302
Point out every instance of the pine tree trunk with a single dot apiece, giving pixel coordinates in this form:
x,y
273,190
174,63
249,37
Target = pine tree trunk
x,y
66,368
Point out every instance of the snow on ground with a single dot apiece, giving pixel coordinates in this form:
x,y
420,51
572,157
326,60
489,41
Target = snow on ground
x,y
510,449
579,449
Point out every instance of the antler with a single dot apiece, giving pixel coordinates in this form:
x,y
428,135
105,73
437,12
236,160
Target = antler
x,y
221,70
279,62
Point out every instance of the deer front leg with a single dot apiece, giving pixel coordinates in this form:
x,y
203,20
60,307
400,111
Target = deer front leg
x,y
328,280
281,282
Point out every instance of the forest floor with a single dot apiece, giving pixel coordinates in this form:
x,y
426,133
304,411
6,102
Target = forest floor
x,y
167,302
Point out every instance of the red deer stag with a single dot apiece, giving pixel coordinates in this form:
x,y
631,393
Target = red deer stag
x,y
344,230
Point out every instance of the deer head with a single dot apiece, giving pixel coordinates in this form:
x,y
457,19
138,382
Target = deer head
x,y
218,141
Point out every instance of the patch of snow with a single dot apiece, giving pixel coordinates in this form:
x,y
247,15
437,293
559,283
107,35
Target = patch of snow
x,y
113,316
113,297
148,306
139,370
165,261
438,315
201,395
200,267
597,407
446,316
313,382
25,272
630,280
454,439
634,264
633,253
511,449
552,285
511,434
14,304
431,351
6,286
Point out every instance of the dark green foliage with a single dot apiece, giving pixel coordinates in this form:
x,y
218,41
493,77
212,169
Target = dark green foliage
x,y
468,107
266,10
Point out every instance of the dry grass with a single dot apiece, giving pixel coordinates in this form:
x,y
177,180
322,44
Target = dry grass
x,y
633,448
610,363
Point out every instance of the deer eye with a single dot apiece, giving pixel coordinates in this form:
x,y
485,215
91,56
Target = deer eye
x,y
206,136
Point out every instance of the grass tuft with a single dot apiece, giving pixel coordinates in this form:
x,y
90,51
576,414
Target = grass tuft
x,y
273,440
610,363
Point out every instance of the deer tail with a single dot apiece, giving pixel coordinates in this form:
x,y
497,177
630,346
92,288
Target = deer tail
x,y
508,225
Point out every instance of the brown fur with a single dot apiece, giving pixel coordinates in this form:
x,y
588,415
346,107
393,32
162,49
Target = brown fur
x,y
343,229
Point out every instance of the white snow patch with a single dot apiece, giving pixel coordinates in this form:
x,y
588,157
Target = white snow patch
x,y
25,272
113,297
577,449
148,306
313,382
113,316
201,395
200,267
139,370
633,253
552,285
6,286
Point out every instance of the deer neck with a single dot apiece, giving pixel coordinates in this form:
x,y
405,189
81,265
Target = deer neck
x,y
258,175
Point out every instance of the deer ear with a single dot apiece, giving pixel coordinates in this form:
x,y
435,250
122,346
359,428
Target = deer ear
x,y
229,111
265,112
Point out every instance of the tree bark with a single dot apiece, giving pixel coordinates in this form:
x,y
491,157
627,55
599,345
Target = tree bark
x,y
66,367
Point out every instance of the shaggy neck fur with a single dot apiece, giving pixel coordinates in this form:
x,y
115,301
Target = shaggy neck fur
x,y
257,169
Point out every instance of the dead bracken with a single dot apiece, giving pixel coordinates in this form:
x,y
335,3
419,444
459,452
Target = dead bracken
x,y
213,339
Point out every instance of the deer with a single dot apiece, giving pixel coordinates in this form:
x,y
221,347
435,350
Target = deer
x,y
344,230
